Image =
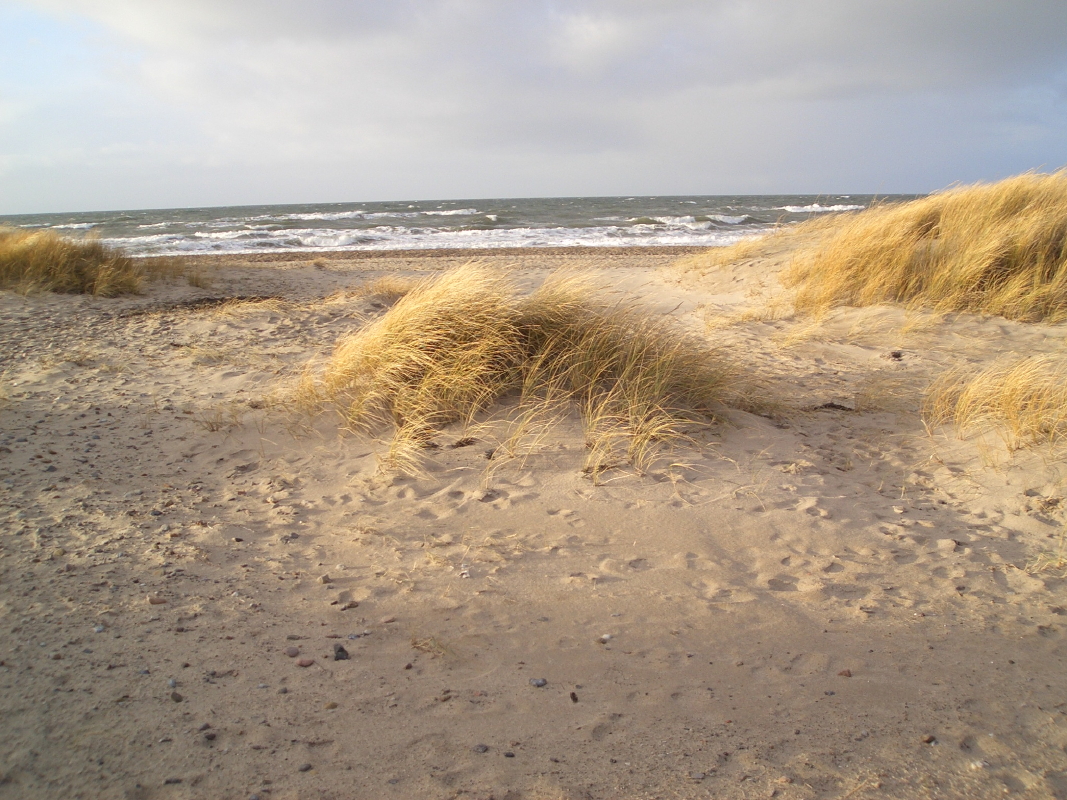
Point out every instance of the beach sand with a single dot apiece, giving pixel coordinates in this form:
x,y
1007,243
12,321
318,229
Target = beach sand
x,y
828,601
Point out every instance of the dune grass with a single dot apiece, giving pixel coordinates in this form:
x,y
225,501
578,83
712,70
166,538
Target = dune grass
x,y
386,289
1025,400
44,261
455,345
988,248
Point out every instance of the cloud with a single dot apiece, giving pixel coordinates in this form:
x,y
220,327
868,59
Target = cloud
x,y
445,97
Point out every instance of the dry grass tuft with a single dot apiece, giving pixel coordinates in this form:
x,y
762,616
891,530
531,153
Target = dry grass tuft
x,y
769,245
388,288
1051,561
716,257
1026,399
454,345
988,248
35,261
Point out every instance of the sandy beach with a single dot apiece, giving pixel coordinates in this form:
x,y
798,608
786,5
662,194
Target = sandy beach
x,y
206,594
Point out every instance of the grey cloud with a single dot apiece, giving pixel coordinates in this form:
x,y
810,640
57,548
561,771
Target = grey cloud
x,y
441,97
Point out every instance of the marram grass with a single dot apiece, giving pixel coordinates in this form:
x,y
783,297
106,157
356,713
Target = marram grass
x,y
1025,400
988,248
455,345
44,261
996,248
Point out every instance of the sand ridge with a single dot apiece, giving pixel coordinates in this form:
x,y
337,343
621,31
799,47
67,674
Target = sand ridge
x,y
826,601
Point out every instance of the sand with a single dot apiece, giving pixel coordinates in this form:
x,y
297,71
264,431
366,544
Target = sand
x,y
826,601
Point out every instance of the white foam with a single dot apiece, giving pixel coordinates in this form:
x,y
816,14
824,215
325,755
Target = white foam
x,y
456,212
816,208
75,226
386,237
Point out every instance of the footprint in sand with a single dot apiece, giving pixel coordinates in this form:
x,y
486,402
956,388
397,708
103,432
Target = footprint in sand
x,y
810,505
567,515
782,583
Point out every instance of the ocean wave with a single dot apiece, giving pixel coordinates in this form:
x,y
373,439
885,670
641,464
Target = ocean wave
x,y
816,208
75,226
325,216
400,238
455,212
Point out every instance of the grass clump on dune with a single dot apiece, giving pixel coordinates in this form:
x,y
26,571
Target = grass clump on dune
x,y
988,248
453,346
44,261
1026,399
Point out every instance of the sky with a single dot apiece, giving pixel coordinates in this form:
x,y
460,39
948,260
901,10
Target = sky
x,y
125,104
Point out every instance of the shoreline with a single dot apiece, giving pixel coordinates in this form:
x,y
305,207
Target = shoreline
x,y
431,253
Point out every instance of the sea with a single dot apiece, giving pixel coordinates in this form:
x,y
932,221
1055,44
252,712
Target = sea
x,y
422,225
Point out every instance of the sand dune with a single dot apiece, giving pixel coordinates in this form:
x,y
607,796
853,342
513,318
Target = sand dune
x,y
827,600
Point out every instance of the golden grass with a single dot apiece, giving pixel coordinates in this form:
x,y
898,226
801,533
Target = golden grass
x,y
32,261
776,242
1024,399
453,346
44,261
988,248
388,288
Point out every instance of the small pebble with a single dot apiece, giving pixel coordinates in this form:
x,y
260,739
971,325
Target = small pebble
x,y
605,638
339,653
171,781
929,739
283,690
538,682
262,686
386,620
305,662
305,767
325,579
177,698
156,600
292,652
845,673
480,748
509,754
330,706
205,726
574,697
99,629
172,683
210,736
